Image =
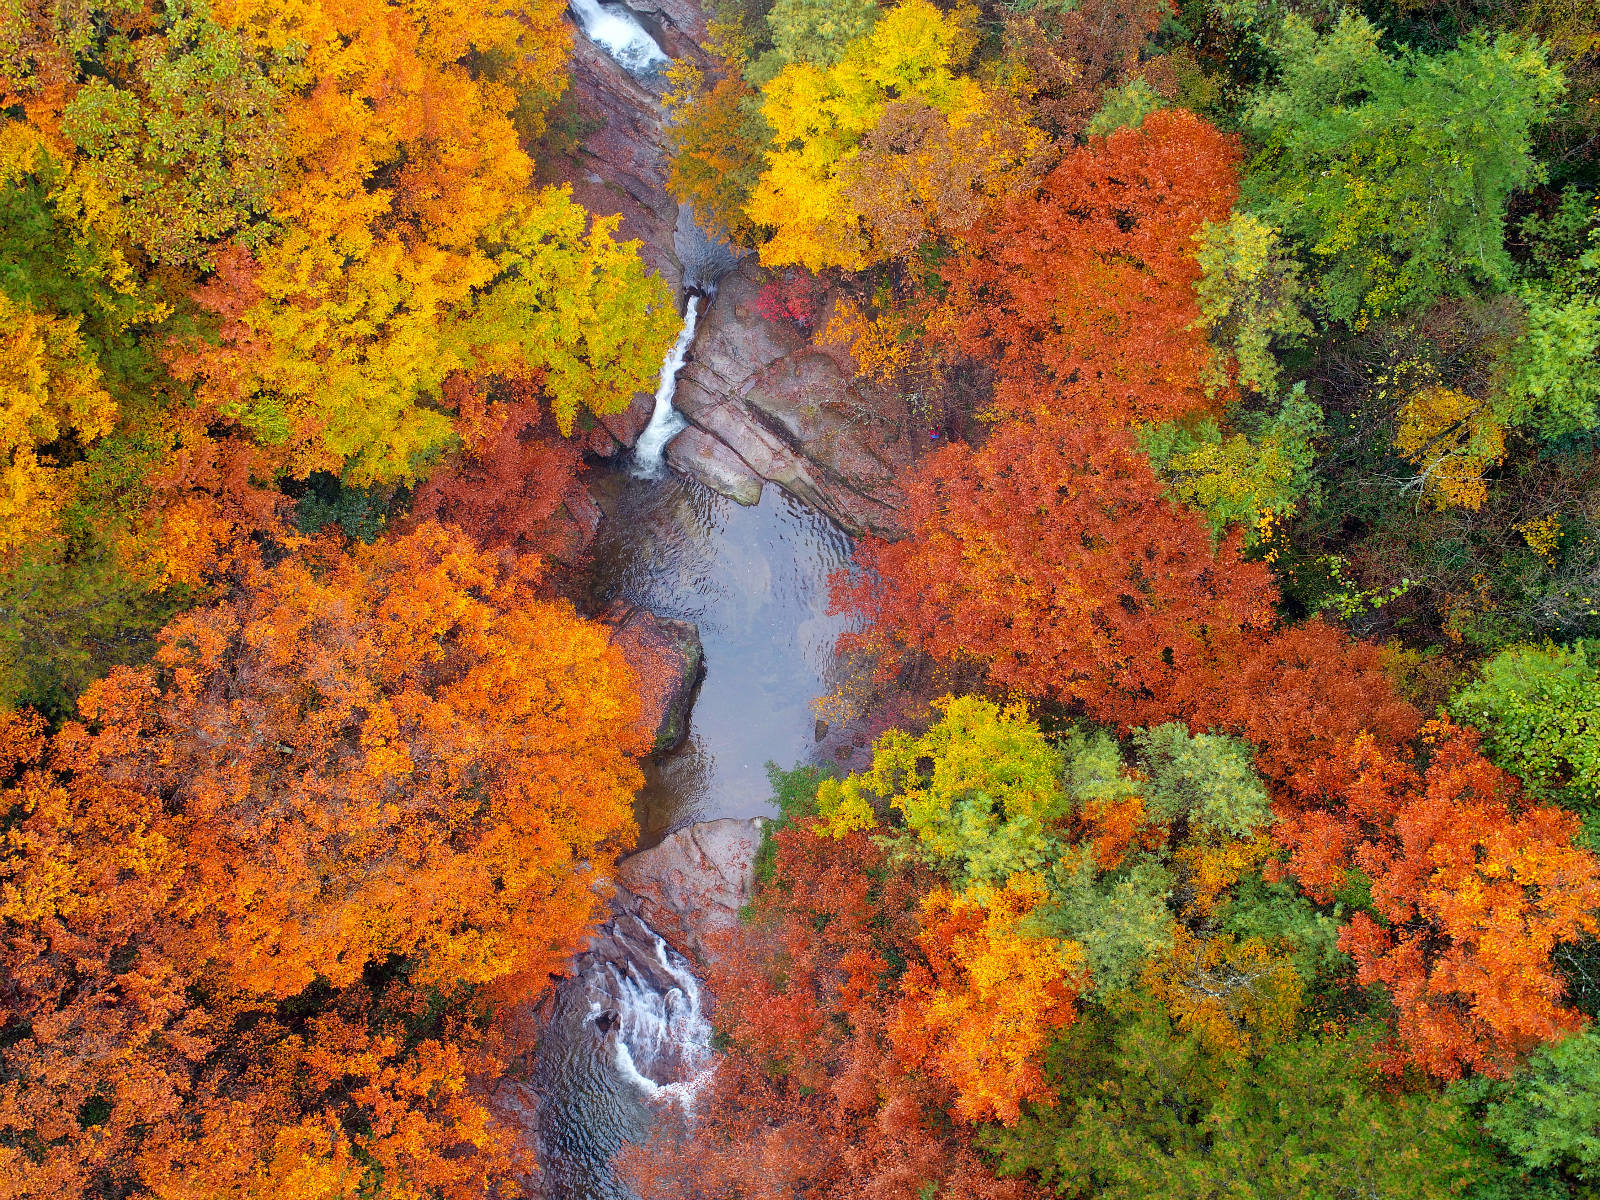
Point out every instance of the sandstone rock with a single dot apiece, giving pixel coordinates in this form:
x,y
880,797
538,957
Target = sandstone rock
x,y
678,25
715,464
621,167
600,443
568,533
787,409
670,662
818,408
694,882
584,512
733,425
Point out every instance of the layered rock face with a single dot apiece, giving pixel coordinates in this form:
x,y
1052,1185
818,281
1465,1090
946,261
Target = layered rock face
x,y
765,405
621,166
787,409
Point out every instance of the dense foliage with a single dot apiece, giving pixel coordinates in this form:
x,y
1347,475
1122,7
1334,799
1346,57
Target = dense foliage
x,y
1271,375
303,794
246,245
259,902
1252,354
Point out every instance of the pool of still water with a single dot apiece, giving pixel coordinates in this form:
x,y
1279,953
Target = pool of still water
x,y
755,582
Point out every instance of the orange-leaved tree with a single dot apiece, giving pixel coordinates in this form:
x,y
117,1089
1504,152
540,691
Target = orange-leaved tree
x,y
1471,890
991,998
249,241
255,906
1300,695
1081,296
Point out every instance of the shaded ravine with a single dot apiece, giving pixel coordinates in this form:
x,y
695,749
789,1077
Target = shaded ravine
x,y
629,1029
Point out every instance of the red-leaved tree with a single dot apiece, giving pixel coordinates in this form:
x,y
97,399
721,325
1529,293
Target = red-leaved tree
x,y
1081,296
510,488
1052,556
811,1100
1473,889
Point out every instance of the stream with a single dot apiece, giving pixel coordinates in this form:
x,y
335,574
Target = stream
x,y
628,1031
754,580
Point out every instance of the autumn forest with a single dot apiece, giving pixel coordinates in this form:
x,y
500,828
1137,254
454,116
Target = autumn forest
x,y
1206,800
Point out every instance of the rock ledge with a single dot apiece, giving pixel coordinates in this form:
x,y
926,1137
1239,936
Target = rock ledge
x,y
694,883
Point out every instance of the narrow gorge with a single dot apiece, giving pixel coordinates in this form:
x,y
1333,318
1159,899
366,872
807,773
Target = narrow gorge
x,y
692,538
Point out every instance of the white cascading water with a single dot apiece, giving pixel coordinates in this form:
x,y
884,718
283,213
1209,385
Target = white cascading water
x,y
666,422
665,1031
614,29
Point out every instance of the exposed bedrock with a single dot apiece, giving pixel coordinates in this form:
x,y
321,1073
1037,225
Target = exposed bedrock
x,y
693,883
765,406
668,658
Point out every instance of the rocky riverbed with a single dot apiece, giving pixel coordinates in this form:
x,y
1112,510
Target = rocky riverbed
x,y
628,1030
628,1027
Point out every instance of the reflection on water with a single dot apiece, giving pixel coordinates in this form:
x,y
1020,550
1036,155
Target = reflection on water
x,y
755,582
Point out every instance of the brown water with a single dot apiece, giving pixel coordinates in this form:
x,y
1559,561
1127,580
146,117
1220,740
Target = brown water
x,y
754,580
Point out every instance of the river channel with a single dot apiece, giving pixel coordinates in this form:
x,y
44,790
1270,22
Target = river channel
x,y
754,581
627,1032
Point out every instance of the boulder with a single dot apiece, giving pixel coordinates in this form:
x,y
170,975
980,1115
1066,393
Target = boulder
x,y
716,464
584,513
627,425
670,662
694,882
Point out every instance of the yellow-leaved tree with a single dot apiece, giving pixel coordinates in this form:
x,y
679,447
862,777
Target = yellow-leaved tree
x,y
49,389
1452,439
886,143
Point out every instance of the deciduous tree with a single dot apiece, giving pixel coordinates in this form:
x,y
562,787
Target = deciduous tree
x,y
255,906
810,1099
509,490
990,999
717,135
50,392
1539,710
1393,171
1074,55
906,70
1082,296
1474,890
1050,555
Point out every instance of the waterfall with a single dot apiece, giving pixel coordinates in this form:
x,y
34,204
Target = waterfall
x,y
616,31
666,422
662,1032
